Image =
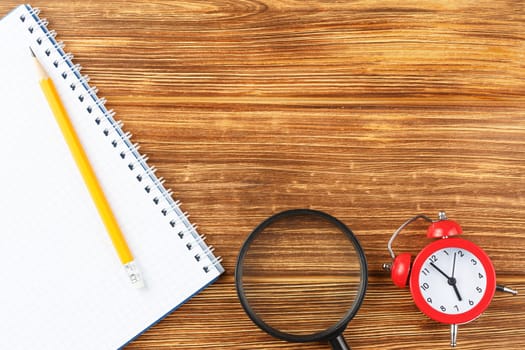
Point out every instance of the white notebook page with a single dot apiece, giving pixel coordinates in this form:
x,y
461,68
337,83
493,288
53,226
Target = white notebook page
x,y
63,286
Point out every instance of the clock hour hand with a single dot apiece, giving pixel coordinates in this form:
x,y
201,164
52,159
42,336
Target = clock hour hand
x,y
456,289
451,280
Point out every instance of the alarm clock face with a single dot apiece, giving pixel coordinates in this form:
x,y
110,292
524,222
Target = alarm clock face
x,y
452,281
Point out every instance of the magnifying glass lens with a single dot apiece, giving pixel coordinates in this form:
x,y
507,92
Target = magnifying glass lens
x,y
302,275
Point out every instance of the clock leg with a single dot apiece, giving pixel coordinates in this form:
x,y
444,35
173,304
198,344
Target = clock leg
x,y
502,288
453,335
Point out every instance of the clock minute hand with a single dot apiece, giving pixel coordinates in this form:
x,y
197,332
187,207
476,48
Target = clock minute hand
x,y
439,270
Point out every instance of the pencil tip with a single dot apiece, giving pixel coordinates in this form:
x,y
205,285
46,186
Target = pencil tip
x,y
32,52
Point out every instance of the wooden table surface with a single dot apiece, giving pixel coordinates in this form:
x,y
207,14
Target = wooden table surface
x,y
372,111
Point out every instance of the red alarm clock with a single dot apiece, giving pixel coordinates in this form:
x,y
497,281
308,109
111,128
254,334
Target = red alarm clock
x,y
451,280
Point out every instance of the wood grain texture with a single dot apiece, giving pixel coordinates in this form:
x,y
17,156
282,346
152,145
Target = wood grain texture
x,y
372,111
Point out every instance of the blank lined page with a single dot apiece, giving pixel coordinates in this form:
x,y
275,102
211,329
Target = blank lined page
x,y
63,286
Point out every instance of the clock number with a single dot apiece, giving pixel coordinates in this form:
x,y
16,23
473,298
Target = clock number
x,y
461,254
479,289
433,259
470,302
425,271
429,300
456,307
480,275
446,252
425,286
443,308
474,262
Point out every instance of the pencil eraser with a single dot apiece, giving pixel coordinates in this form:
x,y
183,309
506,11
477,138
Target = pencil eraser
x,y
134,275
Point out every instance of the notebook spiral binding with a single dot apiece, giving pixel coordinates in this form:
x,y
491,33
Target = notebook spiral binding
x,y
121,142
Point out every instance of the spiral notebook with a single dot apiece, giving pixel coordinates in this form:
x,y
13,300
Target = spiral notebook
x,y
62,285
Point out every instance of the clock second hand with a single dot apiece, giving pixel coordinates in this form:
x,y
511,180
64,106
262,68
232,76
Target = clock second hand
x,y
454,264
451,280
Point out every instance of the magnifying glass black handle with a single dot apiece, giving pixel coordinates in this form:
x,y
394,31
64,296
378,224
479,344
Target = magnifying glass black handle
x,y
339,343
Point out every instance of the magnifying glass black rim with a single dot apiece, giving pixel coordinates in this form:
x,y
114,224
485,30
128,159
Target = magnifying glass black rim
x,y
336,329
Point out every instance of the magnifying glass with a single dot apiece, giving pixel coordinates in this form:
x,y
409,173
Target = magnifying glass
x,y
301,276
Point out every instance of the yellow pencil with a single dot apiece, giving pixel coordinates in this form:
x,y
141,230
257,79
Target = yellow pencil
x,y
89,176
